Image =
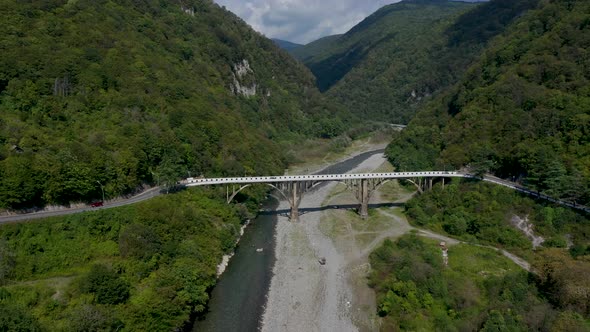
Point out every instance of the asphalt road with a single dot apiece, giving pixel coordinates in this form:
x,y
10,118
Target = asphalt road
x,y
158,191
150,193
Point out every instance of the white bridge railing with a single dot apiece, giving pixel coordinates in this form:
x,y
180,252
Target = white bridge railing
x,y
324,177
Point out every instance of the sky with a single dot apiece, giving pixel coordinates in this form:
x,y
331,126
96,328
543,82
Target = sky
x,y
303,21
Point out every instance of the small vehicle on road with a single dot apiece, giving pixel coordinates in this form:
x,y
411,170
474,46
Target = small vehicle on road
x,y
97,204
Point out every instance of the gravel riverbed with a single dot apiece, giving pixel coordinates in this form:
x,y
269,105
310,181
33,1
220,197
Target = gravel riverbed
x,y
304,294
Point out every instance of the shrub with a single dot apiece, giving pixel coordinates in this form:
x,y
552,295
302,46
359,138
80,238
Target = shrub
x,y
107,285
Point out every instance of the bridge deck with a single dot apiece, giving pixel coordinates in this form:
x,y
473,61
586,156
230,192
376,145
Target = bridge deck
x,y
325,177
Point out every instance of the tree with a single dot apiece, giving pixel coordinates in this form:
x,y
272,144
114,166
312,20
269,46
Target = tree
x,y
495,322
7,261
564,280
107,285
18,183
17,319
138,241
92,318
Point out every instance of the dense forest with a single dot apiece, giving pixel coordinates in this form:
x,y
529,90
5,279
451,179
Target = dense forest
x,y
116,94
286,45
479,290
522,111
144,267
307,52
394,61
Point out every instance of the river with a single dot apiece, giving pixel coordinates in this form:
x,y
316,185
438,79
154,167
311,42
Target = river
x,y
237,301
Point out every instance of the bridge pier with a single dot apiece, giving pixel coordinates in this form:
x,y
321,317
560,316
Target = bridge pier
x,y
295,201
363,189
364,199
292,188
428,183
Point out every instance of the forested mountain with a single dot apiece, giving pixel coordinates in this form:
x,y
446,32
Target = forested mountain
x,y
521,111
115,94
306,52
388,65
286,45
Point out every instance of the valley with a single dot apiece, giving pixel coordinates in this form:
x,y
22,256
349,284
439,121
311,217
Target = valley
x,y
107,106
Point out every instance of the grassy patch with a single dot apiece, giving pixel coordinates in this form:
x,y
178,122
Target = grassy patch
x,y
478,261
480,287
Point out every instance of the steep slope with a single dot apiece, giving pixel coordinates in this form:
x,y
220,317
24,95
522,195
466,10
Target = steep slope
x,y
522,111
382,67
306,53
114,94
388,65
286,45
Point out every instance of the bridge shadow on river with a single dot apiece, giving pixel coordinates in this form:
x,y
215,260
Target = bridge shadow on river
x,y
354,207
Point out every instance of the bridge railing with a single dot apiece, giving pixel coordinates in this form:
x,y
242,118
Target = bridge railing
x,y
323,177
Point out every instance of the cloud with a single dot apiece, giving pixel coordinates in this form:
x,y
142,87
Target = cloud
x,y
302,21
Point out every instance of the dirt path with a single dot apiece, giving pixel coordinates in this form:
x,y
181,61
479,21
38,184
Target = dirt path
x,y
308,296
450,241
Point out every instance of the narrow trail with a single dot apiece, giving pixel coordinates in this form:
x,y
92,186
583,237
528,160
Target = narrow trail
x,y
354,240
450,241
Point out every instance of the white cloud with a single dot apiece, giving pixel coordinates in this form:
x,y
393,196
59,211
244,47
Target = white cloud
x,y
303,21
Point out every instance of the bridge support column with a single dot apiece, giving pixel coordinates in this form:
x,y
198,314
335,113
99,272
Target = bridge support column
x,y
295,200
364,198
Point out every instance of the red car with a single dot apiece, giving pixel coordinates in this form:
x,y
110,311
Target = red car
x,y
97,204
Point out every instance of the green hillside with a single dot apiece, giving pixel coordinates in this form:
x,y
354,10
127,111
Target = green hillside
x,y
306,53
391,63
286,45
522,111
479,290
123,93
142,267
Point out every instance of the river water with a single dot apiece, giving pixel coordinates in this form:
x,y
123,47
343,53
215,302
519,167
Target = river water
x,y
237,301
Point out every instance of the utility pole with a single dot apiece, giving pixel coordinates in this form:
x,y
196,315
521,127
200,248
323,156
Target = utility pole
x,y
101,188
157,176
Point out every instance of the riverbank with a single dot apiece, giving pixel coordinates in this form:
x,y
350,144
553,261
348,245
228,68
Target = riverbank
x,y
305,295
308,296
317,164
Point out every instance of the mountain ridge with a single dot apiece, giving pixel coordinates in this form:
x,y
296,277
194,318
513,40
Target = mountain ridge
x,y
124,94
285,44
520,111
389,64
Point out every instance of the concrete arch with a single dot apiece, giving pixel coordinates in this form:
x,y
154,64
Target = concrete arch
x,y
318,182
233,195
420,190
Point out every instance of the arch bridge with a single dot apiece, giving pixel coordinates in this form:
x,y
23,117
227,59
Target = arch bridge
x,y
293,187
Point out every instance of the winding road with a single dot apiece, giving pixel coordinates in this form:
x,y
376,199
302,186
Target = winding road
x,y
143,196
150,193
